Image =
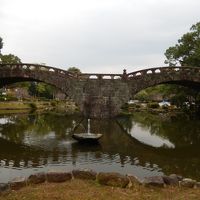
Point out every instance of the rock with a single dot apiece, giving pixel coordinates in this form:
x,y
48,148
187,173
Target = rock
x,y
58,176
37,178
112,179
188,182
172,179
133,180
180,178
17,183
154,181
4,187
84,174
197,185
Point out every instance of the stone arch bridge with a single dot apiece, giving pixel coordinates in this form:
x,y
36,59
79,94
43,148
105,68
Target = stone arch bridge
x,y
99,95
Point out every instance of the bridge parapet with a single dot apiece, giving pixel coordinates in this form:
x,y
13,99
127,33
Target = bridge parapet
x,y
100,76
163,70
35,67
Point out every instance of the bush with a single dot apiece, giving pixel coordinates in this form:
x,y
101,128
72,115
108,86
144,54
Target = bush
x,y
33,106
8,98
125,106
165,107
153,105
137,106
54,103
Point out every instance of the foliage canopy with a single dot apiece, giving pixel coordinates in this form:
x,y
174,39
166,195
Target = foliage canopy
x,y
74,70
1,44
187,51
9,59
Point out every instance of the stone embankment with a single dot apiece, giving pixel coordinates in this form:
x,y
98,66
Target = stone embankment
x,y
103,178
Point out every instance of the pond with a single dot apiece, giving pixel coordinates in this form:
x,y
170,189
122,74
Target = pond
x,y
144,145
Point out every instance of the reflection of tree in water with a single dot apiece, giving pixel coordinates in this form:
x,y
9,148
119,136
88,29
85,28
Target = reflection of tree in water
x,y
20,127
179,129
126,122
115,145
39,125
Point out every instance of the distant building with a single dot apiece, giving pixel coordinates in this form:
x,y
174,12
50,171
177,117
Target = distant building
x,y
21,93
164,103
60,96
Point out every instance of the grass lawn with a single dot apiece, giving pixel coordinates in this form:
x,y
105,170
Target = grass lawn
x,y
90,190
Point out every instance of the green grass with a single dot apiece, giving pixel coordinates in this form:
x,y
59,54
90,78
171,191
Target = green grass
x,y
89,190
13,106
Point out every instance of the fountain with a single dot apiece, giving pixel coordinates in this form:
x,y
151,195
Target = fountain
x,y
88,136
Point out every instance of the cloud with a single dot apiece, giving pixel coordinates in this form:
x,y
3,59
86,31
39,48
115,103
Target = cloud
x,y
99,36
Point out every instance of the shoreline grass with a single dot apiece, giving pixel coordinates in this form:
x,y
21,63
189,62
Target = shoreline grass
x,y
85,189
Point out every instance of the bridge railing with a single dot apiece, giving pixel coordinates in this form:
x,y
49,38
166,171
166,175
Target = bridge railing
x,y
85,76
36,67
160,70
99,76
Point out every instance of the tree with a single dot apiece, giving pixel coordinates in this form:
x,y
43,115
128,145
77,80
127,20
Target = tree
x,y
74,70
187,51
1,44
9,59
41,90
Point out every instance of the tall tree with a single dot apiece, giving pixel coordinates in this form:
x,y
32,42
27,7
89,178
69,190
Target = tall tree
x,y
74,70
41,90
187,51
9,59
1,44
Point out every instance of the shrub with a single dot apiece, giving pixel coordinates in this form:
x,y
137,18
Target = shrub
x,y
33,106
138,106
54,103
165,107
153,105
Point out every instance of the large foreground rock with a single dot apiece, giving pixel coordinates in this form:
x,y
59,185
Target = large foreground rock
x,y
37,178
57,177
154,181
188,182
197,185
172,179
133,180
4,187
84,174
17,183
112,179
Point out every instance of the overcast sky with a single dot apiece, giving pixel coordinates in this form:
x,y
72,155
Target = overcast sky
x,y
95,35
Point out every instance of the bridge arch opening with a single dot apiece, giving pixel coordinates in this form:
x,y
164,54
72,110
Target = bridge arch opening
x,y
60,81
33,88
39,94
177,93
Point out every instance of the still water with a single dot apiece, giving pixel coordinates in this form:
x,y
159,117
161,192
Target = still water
x,y
144,145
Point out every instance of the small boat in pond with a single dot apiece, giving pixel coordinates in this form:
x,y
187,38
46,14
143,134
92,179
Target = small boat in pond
x,y
87,137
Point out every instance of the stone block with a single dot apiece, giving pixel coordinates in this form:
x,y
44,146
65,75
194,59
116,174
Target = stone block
x,y
154,181
188,182
4,187
171,180
57,177
17,183
197,185
113,179
37,178
84,174
133,180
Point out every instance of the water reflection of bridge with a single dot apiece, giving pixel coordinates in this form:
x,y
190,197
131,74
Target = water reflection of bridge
x,y
27,142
